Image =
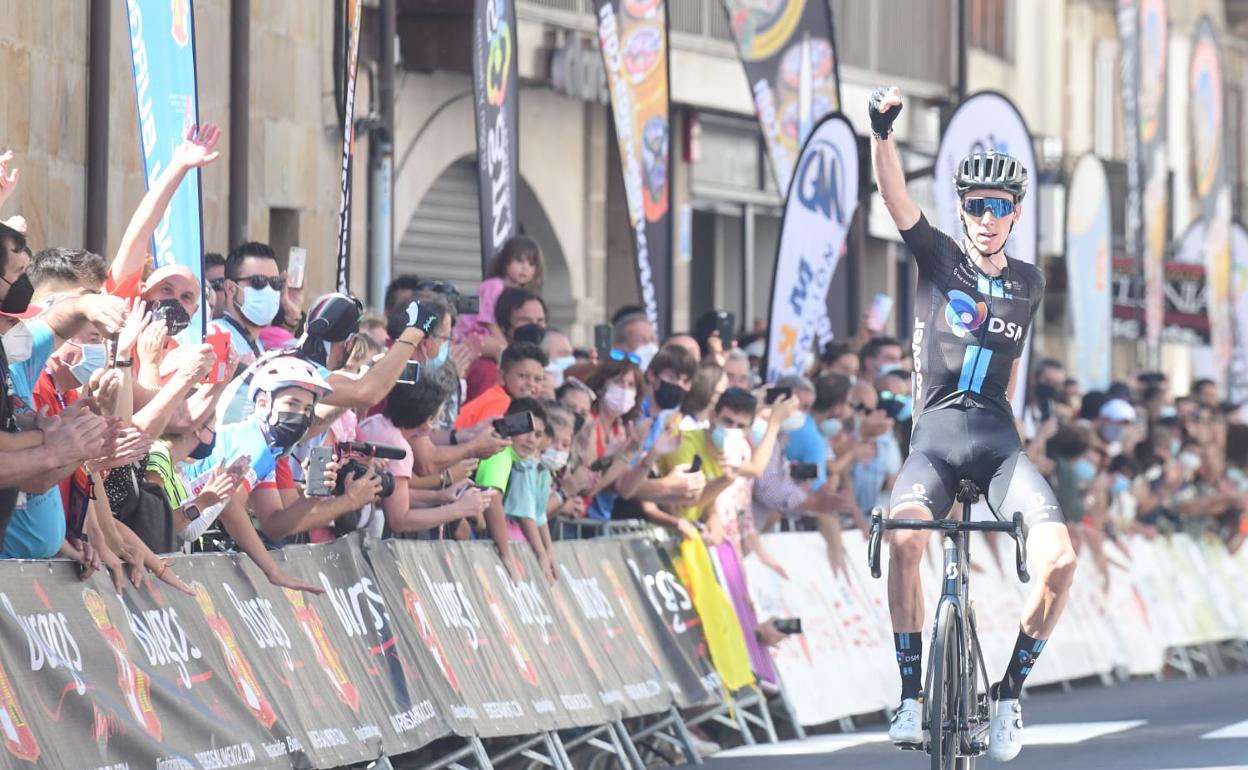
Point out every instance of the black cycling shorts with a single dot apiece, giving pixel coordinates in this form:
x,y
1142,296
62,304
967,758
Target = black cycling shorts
x,y
971,442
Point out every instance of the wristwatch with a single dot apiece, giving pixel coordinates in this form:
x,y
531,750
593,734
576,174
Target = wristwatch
x,y
190,511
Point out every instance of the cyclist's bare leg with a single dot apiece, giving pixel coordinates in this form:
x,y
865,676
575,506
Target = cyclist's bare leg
x,y
905,558
1052,557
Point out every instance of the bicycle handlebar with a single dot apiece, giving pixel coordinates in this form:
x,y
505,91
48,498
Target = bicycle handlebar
x,y
1012,528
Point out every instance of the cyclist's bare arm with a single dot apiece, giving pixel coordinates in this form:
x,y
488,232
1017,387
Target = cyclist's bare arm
x,y
889,174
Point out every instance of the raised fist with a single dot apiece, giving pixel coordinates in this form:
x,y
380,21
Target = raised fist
x,y
884,109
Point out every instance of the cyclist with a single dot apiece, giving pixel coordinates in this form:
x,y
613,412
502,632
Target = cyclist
x,y
973,309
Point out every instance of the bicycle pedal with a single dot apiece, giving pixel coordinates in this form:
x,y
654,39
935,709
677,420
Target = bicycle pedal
x,y
911,746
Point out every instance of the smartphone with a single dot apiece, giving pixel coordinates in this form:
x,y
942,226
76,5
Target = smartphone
x,y
726,325
411,373
467,304
774,394
803,471
788,626
877,317
296,263
318,459
220,342
696,465
603,340
514,424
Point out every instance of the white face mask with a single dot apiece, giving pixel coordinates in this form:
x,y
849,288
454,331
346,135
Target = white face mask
x,y
19,343
619,400
646,353
793,422
260,306
554,459
557,367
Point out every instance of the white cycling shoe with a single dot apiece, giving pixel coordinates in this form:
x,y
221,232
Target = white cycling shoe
x,y
907,724
1005,737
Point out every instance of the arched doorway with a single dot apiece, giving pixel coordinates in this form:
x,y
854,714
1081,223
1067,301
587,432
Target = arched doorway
x,y
443,238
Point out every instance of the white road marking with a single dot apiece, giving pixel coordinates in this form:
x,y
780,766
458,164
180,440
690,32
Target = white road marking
x,y
1075,732
1237,730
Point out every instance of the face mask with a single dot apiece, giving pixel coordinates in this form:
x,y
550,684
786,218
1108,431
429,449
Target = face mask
x,y
619,400
1175,444
830,427
907,409
260,306
554,459
18,298
578,423
793,422
889,368
288,428
1119,485
1112,432
669,395
1189,461
173,314
203,450
94,357
758,431
557,367
720,436
1084,470
18,344
646,353
1045,392
437,361
534,333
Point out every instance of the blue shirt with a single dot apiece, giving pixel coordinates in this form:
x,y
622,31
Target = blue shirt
x,y
38,526
244,438
807,445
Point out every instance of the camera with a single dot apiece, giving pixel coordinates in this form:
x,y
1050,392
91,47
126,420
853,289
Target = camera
x,y
353,468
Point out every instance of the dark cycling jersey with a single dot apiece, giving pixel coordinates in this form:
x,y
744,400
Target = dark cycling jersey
x,y
969,328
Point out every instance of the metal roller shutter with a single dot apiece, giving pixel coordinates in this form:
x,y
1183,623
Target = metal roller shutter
x,y
443,238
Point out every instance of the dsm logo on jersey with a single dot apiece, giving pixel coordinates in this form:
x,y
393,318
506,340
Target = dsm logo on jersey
x,y
1009,329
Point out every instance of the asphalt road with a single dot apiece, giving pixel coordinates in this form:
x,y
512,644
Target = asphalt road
x,y
1140,725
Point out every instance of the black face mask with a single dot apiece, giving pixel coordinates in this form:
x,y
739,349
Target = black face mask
x,y
173,314
203,449
18,298
669,395
288,428
578,423
1046,392
529,333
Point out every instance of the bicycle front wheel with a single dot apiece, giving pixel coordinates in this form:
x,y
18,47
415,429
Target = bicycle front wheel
x,y
943,713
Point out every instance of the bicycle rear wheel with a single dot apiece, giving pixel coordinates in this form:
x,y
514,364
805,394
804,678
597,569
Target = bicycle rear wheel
x,y
943,713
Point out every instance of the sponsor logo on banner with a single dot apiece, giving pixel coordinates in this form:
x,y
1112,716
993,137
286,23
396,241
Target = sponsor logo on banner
x,y
327,659
790,62
133,682
989,121
162,52
634,54
497,91
821,202
351,63
245,682
1088,240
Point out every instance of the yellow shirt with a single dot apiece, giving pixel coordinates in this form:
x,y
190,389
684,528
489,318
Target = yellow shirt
x,y
693,443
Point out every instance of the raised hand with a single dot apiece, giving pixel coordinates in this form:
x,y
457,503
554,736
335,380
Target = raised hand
x,y
137,320
198,149
220,487
152,341
76,437
104,309
199,363
8,179
885,107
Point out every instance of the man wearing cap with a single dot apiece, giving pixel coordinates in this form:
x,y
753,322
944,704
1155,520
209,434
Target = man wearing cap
x,y
1112,422
635,334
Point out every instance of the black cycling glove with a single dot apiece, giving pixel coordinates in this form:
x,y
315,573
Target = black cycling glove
x,y
421,317
882,122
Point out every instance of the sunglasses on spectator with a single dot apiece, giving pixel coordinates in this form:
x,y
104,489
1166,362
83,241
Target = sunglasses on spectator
x,y
258,282
1000,207
862,408
620,355
216,284
439,287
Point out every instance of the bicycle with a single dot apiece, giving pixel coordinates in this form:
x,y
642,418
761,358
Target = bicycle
x,y
956,713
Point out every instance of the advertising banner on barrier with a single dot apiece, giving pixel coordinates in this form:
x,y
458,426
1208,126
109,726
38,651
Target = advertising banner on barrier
x,y
632,35
1238,391
496,91
162,50
818,209
351,61
1210,186
990,121
1088,271
789,53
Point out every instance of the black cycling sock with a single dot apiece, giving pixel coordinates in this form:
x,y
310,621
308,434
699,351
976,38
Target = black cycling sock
x,y
910,662
1026,651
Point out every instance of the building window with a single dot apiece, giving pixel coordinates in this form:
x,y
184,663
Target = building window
x,y
990,27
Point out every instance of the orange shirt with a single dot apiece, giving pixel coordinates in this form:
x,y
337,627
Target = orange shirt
x,y
490,405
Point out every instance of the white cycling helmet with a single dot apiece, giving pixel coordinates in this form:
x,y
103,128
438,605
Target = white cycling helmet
x,y
288,372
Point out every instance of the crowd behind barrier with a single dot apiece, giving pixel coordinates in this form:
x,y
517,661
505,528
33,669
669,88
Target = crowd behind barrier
x,y
302,443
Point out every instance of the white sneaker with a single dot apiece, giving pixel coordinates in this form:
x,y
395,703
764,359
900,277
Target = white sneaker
x,y
907,724
1005,738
